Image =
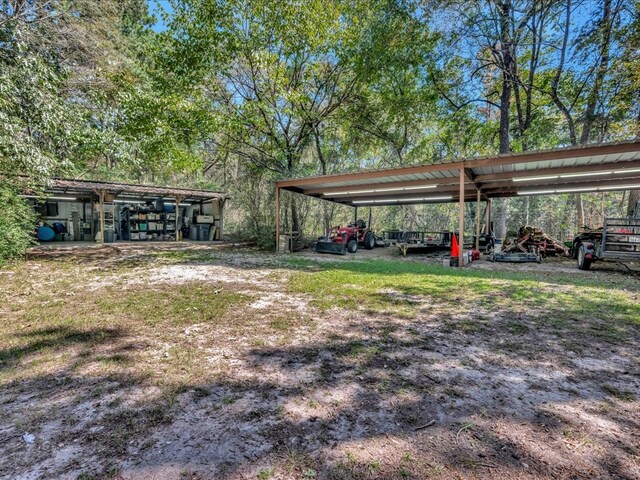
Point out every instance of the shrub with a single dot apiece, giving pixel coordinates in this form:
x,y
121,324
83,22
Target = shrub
x,y
17,220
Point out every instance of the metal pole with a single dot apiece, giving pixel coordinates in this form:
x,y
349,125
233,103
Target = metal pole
x,y
478,221
489,216
355,215
461,221
277,219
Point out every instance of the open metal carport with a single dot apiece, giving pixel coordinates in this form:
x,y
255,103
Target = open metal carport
x,y
591,168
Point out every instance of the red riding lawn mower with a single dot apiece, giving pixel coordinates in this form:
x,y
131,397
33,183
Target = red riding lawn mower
x,y
341,240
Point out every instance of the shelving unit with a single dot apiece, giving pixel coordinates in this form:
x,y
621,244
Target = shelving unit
x,y
143,223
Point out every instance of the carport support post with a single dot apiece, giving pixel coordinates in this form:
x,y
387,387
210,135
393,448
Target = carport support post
x,y
478,221
277,219
461,221
488,216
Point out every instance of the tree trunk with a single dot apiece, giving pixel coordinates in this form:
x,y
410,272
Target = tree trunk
x,y
506,53
323,163
295,220
634,198
603,66
579,211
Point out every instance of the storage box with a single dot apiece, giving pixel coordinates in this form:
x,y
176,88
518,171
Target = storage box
x,y
204,218
135,236
143,226
152,226
143,235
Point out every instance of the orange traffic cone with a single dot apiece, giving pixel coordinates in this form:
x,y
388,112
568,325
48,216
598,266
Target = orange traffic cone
x,y
454,247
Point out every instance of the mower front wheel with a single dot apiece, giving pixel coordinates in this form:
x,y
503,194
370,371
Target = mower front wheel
x,y
369,241
352,246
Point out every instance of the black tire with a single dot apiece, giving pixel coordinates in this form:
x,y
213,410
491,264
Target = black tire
x,y
583,263
574,249
352,246
369,241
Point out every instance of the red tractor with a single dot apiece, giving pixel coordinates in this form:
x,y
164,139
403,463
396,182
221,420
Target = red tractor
x,y
341,240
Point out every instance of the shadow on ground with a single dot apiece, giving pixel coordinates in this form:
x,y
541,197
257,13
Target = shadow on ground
x,y
351,404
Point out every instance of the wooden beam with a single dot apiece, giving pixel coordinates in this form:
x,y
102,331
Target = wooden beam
x,y
277,219
461,221
478,221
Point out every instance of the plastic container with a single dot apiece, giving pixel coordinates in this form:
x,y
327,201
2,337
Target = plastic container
x,y
109,236
46,234
203,233
193,232
497,248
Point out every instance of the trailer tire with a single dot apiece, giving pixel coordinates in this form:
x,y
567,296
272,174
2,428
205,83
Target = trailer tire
x,y
352,246
583,263
369,241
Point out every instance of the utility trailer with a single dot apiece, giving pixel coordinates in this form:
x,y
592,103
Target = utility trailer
x,y
418,241
619,240
427,242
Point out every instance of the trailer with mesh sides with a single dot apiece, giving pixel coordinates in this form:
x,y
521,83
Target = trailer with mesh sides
x,y
618,241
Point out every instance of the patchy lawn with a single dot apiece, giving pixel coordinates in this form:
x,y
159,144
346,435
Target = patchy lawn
x,y
201,362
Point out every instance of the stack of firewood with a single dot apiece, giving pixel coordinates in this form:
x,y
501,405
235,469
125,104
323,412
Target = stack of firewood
x,y
534,240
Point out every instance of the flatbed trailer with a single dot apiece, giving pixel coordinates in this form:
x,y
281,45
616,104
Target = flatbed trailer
x,y
427,241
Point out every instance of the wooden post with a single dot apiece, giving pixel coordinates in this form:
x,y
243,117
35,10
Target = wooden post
x,y
488,216
101,194
221,211
277,219
178,200
478,221
461,221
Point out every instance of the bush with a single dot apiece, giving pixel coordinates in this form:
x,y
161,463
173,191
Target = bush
x,y
17,220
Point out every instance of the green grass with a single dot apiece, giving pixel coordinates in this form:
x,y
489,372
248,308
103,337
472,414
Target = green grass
x,y
407,289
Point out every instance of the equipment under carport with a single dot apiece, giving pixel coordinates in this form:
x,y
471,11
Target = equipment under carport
x,y
520,257
341,240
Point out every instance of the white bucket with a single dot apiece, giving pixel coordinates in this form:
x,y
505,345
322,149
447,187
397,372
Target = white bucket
x,y
497,248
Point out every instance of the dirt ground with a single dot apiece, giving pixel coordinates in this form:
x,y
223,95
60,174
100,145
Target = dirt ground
x,y
273,381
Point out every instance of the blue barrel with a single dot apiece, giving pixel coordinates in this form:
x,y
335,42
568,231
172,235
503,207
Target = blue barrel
x,y
46,234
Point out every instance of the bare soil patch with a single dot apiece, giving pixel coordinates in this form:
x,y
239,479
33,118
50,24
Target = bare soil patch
x,y
208,362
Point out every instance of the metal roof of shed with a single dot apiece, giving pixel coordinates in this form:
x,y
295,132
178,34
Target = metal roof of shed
x,y
89,187
598,167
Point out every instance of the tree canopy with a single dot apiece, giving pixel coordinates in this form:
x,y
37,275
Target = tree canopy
x,y
238,93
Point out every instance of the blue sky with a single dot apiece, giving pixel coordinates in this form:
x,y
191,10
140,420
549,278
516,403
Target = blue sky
x,y
155,7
